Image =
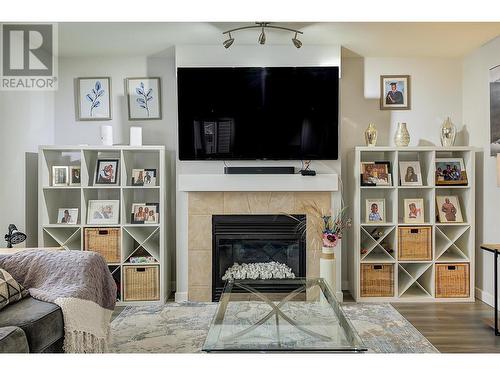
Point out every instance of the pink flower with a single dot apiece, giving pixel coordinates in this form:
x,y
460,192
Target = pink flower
x,y
330,240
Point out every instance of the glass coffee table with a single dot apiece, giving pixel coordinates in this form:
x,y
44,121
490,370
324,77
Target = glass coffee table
x,y
306,318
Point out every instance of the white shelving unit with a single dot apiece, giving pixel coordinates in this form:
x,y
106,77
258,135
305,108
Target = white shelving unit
x,y
414,281
148,237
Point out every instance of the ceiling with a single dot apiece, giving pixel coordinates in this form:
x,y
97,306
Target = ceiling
x,y
366,39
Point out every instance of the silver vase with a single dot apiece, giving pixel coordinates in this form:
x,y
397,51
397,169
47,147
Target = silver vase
x,y
448,133
371,135
402,137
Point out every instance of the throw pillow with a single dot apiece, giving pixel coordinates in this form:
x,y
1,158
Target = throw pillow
x,y
10,290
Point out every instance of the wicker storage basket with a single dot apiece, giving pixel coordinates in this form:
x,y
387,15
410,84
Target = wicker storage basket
x,y
105,241
141,283
452,280
377,280
415,243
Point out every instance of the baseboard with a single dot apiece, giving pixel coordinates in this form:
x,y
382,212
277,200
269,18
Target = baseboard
x,y
181,296
486,297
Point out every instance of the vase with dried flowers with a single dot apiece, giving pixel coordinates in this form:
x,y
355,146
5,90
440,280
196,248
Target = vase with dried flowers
x,y
328,228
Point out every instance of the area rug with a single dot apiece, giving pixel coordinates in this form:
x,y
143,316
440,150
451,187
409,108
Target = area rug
x,y
182,328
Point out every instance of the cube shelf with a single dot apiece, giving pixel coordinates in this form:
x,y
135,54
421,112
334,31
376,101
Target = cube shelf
x,y
378,243
135,239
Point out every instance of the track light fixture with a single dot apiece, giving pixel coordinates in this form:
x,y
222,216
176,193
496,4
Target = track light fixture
x,y
227,43
262,37
297,43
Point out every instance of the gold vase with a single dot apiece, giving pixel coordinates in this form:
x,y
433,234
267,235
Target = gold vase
x,y
371,135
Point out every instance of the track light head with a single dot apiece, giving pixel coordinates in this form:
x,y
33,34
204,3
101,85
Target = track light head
x,y
297,43
229,42
262,37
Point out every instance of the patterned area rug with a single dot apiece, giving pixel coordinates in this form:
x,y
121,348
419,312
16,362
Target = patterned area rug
x,y
182,328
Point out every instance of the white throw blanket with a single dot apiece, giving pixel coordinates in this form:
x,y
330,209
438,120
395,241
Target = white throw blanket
x,y
79,282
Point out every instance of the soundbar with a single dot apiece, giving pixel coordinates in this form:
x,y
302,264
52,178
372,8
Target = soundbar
x,y
259,170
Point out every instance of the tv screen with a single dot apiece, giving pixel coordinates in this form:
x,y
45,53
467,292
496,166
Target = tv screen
x,y
276,113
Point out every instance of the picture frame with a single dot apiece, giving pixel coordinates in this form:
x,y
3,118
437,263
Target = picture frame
x,y
103,212
395,92
375,211
143,177
376,173
107,171
448,208
93,98
410,173
450,171
414,211
145,213
494,83
143,98
60,175
75,176
67,216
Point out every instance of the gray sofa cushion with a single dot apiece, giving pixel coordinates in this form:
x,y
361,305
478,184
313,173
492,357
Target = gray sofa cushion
x,y
42,322
13,340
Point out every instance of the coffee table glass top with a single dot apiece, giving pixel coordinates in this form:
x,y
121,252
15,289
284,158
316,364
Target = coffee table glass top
x,y
306,317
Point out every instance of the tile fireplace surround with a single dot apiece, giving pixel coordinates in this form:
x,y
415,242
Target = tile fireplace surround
x,y
201,207
203,195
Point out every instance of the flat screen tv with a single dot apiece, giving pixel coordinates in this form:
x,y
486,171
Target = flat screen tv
x,y
275,113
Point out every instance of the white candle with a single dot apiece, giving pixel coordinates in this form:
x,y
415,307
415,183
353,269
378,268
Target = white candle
x,y
107,135
135,136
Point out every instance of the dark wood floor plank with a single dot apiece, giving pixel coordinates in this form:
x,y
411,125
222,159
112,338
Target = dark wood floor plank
x,y
453,327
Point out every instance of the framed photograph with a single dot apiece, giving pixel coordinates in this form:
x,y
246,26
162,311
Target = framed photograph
x,y
144,177
375,211
107,172
375,174
59,175
448,207
409,173
75,176
495,110
103,212
138,177
451,171
150,177
395,92
414,211
67,216
145,213
144,98
93,99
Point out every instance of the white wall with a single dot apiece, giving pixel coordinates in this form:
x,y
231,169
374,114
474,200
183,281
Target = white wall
x,y
476,115
26,120
436,85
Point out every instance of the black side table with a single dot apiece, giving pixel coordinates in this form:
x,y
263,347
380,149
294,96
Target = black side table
x,y
495,249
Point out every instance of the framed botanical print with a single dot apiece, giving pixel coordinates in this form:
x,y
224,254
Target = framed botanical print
x,y
144,98
395,92
93,99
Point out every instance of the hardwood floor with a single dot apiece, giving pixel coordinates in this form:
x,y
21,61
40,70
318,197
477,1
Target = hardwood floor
x,y
453,327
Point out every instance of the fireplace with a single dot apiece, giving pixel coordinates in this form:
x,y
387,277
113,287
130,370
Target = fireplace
x,y
256,239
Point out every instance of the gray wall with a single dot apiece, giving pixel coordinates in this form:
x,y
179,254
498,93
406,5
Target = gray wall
x,y
26,120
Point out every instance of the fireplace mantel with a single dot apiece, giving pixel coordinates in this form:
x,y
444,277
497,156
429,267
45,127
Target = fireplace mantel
x,y
257,182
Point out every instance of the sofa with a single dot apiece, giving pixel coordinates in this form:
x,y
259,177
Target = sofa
x,y
31,326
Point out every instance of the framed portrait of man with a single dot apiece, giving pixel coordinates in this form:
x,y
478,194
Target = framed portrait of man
x,y
395,92
448,207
